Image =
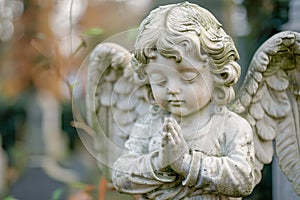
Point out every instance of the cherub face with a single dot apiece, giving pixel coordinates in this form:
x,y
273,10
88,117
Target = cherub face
x,y
180,88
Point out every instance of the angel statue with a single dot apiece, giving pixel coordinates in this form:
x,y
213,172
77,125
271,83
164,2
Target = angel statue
x,y
168,123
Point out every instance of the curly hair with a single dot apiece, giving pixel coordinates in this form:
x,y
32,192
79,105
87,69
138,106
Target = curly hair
x,y
195,28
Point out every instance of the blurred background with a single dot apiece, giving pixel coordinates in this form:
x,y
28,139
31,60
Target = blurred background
x,y
42,45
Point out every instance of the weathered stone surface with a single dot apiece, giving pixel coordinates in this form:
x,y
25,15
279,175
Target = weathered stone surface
x,y
197,140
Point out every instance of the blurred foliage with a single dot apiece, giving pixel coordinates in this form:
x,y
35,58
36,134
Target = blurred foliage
x,y
10,10
34,58
68,129
94,31
57,194
9,198
12,119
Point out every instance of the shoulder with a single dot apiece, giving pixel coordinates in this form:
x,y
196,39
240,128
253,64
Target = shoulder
x,y
233,117
233,121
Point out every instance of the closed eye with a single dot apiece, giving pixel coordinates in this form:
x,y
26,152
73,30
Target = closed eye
x,y
190,76
159,82
157,79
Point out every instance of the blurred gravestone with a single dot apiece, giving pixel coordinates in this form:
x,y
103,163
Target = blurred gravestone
x,y
34,183
44,145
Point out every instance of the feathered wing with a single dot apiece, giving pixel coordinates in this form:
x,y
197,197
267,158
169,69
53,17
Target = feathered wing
x,y
114,100
269,100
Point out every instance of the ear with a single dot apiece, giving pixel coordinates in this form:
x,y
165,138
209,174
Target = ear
x,y
223,95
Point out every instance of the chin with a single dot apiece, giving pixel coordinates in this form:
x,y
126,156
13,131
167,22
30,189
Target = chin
x,y
179,112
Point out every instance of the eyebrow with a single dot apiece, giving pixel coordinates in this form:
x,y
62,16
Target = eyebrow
x,y
154,71
155,74
187,69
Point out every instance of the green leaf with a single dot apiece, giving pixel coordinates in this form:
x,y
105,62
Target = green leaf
x,y
78,185
57,194
74,85
94,31
9,198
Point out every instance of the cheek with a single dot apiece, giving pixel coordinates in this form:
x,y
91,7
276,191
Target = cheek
x,y
159,94
200,93
205,85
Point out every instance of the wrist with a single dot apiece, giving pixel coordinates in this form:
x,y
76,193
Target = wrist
x,y
155,161
158,163
182,164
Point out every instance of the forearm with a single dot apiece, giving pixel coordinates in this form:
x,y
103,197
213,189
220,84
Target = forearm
x,y
231,176
134,173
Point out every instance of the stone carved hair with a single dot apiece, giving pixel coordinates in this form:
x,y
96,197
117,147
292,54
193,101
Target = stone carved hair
x,y
196,29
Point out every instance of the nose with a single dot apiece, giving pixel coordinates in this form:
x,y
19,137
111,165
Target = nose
x,y
173,88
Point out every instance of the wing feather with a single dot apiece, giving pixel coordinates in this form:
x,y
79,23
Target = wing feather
x,y
246,99
287,145
264,149
266,128
269,100
252,87
114,100
257,76
259,94
279,81
256,111
275,103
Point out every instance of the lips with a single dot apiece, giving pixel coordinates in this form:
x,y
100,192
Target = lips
x,y
175,102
